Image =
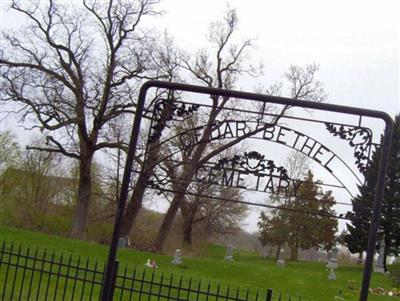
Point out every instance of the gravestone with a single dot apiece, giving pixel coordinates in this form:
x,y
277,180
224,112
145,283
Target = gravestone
x,y
332,275
266,253
379,268
360,259
332,264
332,259
177,257
123,242
229,253
281,258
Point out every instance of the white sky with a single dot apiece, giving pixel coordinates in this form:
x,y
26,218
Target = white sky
x,y
356,43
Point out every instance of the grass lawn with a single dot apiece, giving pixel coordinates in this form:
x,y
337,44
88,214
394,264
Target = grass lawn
x,y
249,270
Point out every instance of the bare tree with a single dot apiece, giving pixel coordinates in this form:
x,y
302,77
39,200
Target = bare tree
x,y
222,71
166,59
215,215
71,70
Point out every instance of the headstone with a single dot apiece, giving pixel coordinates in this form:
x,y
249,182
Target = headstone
x,y
379,268
177,257
332,259
360,259
123,242
229,253
281,258
332,275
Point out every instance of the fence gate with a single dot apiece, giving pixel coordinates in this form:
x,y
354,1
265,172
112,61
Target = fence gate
x,y
206,136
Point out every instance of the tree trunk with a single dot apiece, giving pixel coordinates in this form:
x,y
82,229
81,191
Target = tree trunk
x,y
188,214
134,205
278,251
294,253
81,214
385,253
187,232
136,199
167,221
360,258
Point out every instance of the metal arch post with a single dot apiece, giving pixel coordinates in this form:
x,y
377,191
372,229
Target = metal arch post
x,y
380,187
110,273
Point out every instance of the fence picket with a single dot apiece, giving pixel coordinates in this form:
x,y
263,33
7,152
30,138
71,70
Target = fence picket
x,y
15,272
50,274
26,257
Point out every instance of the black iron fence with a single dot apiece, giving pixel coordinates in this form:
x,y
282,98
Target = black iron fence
x,y
34,274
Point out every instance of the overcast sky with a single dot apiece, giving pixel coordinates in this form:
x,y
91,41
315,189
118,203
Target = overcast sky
x,y
355,42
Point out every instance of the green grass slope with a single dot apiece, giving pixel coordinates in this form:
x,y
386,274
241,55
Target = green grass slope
x,y
248,270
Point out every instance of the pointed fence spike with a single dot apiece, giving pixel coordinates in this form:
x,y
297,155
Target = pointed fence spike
x,y
189,289
198,290
132,288
217,293
170,286
227,293
160,286
150,290
269,295
179,288
26,257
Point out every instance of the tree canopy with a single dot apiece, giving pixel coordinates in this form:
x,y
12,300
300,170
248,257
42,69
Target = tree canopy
x,y
72,69
305,221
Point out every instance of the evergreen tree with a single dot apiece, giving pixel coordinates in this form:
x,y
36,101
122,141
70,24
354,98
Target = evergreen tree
x,y
356,237
306,222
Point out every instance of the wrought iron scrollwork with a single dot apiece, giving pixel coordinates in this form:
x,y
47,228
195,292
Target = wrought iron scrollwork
x,y
252,162
164,111
359,137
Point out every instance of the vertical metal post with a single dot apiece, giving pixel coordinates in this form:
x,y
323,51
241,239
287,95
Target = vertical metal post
x,y
373,231
107,289
269,295
114,277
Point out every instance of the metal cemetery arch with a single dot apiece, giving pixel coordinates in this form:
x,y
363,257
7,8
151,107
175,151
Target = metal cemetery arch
x,y
276,177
